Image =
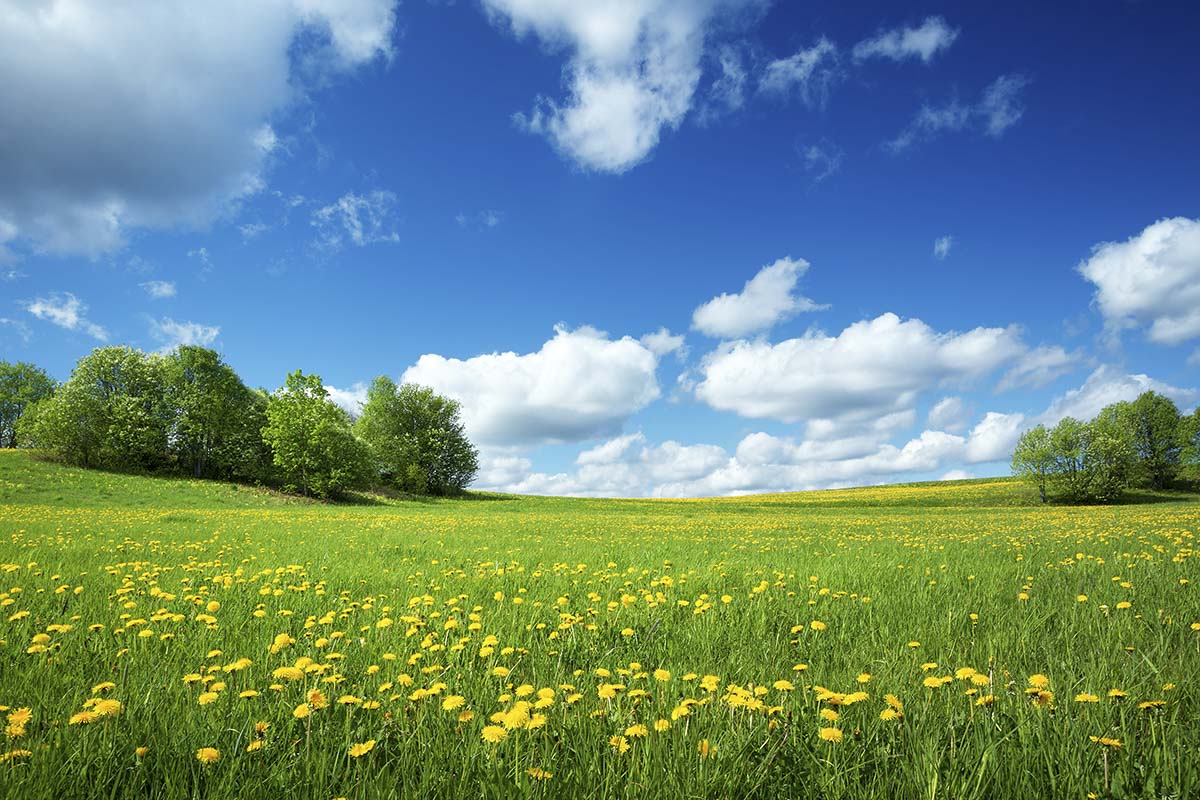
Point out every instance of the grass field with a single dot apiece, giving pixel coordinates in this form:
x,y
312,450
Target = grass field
x,y
177,639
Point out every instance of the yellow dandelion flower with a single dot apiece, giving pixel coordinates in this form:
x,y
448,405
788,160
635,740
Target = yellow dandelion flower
x,y
637,731
208,697
817,625
301,711
889,714
453,702
706,749
494,734
83,718
830,734
662,725
141,752
1106,741
1039,681
208,755
784,686
359,750
539,774
1084,697
619,744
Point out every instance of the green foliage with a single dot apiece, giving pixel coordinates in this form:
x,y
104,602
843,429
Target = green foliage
x,y
109,414
1033,459
1153,422
417,438
216,422
1189,446
21,385
1140,443
312,442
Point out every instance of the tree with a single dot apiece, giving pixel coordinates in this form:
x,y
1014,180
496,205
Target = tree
x,y
1068,441
1189,446
1109,455
417,438
21,386
1153,422
311,441
1033,459
109,414
216,422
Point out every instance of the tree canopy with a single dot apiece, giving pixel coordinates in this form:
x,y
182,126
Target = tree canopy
x,y
417,438
21,386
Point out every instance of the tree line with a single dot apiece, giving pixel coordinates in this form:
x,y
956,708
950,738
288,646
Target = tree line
x,y
1143,443
188,412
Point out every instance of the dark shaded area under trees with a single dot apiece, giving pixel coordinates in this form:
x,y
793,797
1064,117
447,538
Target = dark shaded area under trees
x,y
188,413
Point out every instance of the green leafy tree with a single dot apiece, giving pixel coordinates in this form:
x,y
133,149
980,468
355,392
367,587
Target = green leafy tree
x,y
311,440
1068,442
1034,460
21,386
216,422
1189,446
1109,455
110,413
417,438
1153,422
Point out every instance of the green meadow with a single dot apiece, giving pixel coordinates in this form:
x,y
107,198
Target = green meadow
x,y
173,638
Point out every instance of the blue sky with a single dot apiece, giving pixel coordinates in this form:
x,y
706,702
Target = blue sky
x,y
660,247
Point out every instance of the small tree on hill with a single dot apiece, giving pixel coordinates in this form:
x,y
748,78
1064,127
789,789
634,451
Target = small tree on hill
x,y
1153,423
1033,459
417,438
311,441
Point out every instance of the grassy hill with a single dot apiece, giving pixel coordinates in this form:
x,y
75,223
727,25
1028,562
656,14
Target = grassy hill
x,y
924,640
26,479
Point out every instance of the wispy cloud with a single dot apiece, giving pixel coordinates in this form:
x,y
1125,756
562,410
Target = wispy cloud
x,y
159,290
66,311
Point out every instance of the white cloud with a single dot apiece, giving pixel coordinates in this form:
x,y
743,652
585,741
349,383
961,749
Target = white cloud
x,y
956,475
1001,105
728,92
941,247
361,219
159,289
632,71
579,385
172,334
1038,367
662,342
994,438
923,42
823,159
1150,280
872,368
350,400
66,311
998,110
127,115
811,73
948,414
250,230
766,299
1105,386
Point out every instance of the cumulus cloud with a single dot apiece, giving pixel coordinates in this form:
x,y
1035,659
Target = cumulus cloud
x,y
998,110
871,369
581,384
663,342
172,334
1105,386
767,298
1151,280
360,219
159,290
994,438
941,247
948,414
66,311
125,115
349,400
810,73
923,42
1039,367
632,71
